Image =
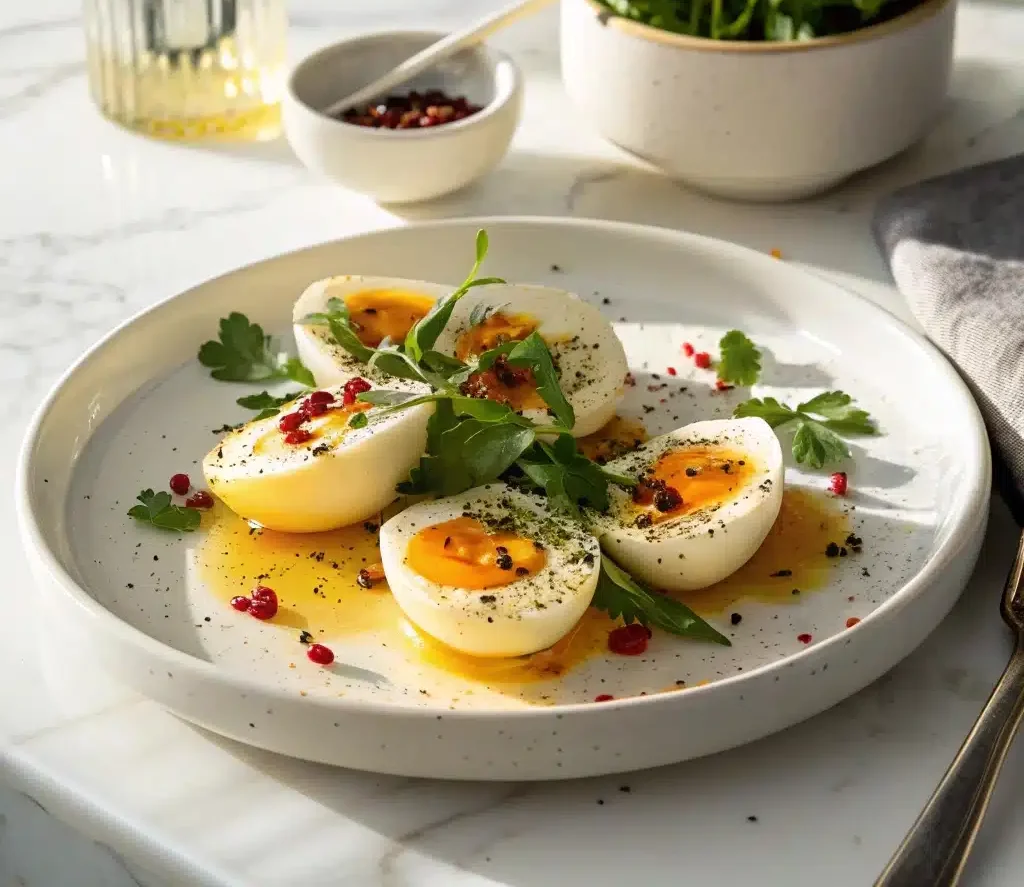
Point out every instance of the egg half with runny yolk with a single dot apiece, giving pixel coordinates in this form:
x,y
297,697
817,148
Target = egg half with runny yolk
x,y
378,308
588,356
706,497
308,469
491,572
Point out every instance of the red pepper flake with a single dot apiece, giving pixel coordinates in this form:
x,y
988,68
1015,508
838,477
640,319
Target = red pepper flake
x,y
320,654
179,484
804,638
603,697
702,359
629,640
413,111
671,371
291,421
852,621
722,386
200,499
353,388
837,483
776,253
264,603
298,436
688,349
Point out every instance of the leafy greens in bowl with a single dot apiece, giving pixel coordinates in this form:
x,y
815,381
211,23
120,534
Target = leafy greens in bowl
x,y
759,20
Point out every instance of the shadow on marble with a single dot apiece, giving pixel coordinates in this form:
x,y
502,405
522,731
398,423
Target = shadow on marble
x,y
273,151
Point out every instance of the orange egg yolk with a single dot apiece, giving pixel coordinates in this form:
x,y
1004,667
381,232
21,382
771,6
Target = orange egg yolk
x,y
688,480
379,314
462,553
494,330
336,419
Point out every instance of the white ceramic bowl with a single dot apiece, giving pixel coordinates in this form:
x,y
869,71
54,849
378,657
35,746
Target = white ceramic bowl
x,y
402,166
759,121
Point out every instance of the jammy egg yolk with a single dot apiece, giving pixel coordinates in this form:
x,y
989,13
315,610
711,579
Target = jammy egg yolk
x,y
515,386
334,422
688,480
461,553
492,331
379,314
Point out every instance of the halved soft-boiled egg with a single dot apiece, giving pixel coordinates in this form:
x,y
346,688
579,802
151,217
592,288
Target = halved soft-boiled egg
x,y
308,469
378,307
706,496
588,356
491,572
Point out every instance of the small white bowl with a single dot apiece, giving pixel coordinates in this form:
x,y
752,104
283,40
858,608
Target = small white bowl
x,y
759,121
408,165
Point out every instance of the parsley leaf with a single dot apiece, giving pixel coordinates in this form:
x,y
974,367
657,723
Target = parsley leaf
x,y
268,403
424,332
740,361
157,509
533,352
358,420
619,594
768,408
819,422
836,407
243,353
336,318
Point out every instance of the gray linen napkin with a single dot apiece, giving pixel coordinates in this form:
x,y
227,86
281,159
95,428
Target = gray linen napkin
x,y
955,246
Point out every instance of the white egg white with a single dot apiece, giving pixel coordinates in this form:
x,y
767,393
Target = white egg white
x,y
326,359
589,356
523,617
703,546
341,476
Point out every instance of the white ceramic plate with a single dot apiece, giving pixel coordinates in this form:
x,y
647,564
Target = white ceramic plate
x,y
139,407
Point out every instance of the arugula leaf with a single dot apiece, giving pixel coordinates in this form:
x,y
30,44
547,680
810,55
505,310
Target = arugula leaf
x,y
442,364
819,422
157,509
386,397
533,352
740,361
267,401
243,353
481,312
569,479
337,319
424,333
619,594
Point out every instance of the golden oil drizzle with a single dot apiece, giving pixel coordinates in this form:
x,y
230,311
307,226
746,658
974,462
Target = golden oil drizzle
x,y
808,521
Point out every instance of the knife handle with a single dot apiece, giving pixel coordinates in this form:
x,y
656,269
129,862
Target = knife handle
x,y
935,849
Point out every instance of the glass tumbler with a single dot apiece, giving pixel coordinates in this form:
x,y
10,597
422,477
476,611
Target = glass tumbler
x,y
188,69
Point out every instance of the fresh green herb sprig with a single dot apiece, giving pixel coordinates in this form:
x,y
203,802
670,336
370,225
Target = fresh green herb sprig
x,y
157,509
759,20
267,403
242,352
819,422
740,360
619,594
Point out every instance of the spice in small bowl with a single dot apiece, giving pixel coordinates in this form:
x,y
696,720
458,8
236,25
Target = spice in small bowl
x,y
414,111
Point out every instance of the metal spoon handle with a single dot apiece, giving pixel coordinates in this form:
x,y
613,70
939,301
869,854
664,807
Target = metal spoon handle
x,y
935,849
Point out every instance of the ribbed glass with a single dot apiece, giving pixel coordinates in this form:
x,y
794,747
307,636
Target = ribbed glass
x,y
188,69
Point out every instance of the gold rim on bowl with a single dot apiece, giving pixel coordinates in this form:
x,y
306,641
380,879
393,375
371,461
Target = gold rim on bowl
x,y
919,13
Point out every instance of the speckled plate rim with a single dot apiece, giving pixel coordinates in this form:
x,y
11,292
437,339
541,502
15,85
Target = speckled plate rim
x,y
971,512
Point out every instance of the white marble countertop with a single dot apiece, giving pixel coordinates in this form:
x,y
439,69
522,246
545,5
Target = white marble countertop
x,y
96,223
